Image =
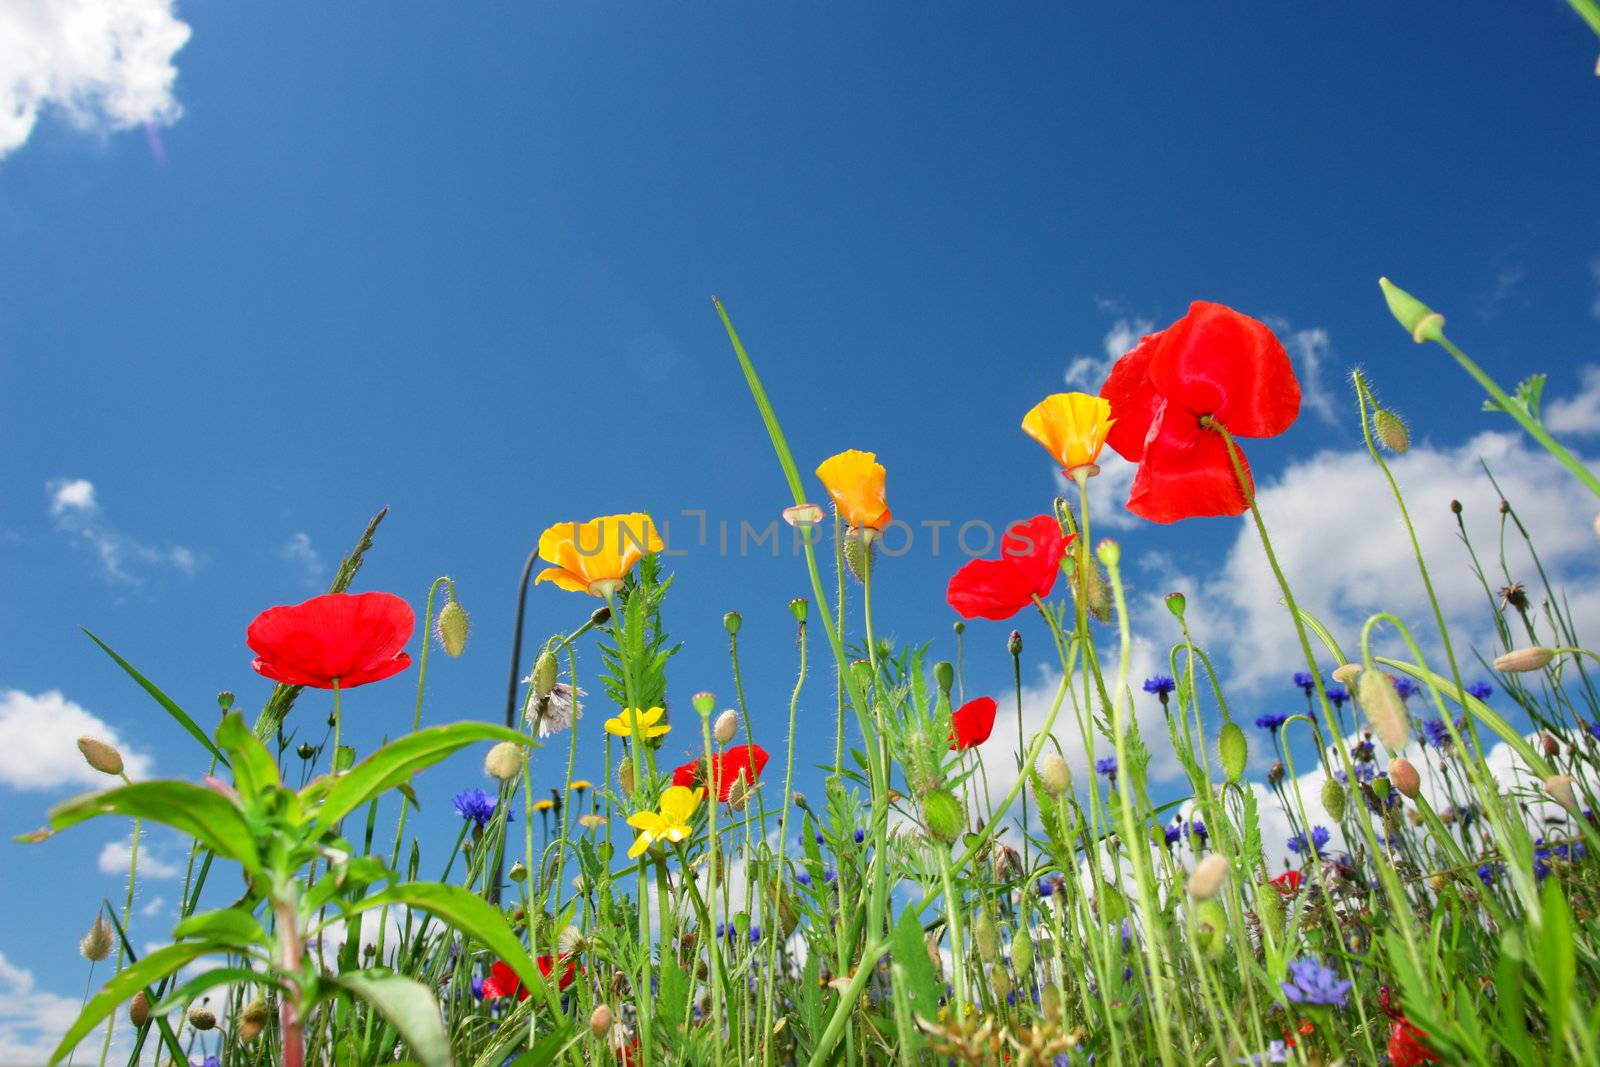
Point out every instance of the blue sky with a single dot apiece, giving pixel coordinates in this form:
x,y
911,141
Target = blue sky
x,y
459,263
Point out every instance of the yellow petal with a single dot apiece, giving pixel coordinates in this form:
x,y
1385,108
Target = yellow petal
x,y
640,843
1071,426
679,802
563,578
855,481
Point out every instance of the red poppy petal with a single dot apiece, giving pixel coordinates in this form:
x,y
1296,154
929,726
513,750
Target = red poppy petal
x,y
747,760
1216,361
687,774
1186,473
988,589
502,982
973,723
354,637
1133,398
1035,548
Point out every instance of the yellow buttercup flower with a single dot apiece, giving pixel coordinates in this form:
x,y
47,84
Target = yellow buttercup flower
x,y
669,823
1071,426
593,557
650,724
543,805
855,481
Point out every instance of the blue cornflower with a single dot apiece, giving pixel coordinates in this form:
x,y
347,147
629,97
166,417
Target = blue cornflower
x,y
1160,685
1271,722
1305,681
1319,839
209,1061
1487,874
1197,830
829,876
1047,886
1594,729
1107,767
1362,751
1277,1052
1481,690
1436,733
476,806
1173,833
804,878
1312,983
477,987
1405,687
1337,695
861,835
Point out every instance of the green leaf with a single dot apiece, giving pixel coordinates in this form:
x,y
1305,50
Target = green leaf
x,y
165,701
1528,395
408,1005
215,821
1557,958
1511,999
397,761
549,1047
910,954
254,769
1479,710
130,980
673,1001
209,980
235,927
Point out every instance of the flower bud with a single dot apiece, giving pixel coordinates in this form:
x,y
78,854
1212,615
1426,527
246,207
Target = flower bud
x,y
518,872
600,616
1552,747
1455,507
944,676
97,943
1207,878
1014,643
544,674
202,1018
704,704
1385,711
1050,1001
944,816
960,627
625,776
1022,951
225,701
740,792
1518,660
857,556
1391,432
600,1020
139,1009
1419,320
935,957
1269,909
101,756
1346,674
799,607
999,981
732,622
727,726
1234,750
1211,924
451,627
505,761
1559,786
306,751
1334,798
1055,777
252,1020
986,938
1176,602
1275,772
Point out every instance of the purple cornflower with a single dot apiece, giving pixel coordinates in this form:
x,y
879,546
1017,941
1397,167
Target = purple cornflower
x,y
1173,833
1197,830
476,806
1436,733
1312,983
1319,839
1405,687
1107,767
1362,751
1481,690
1305,681
1337,695
477,987
1271,722
1160,685
861,835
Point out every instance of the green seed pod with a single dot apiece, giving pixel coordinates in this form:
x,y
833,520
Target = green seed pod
x,y
1333,799
732,622
505,761
1211,927
518,872
704,704
1391,432
857,557
451,627
306,750
544,674
1022,951
225,700
986,938
999,981
1176,603
1050,1001
943,814
1269,909
1234,750
799,607
944,675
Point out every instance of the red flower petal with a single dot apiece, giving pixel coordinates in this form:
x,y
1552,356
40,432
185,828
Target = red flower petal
x,y
1215,361
972,723
503,982
1407,1045
1288,881
1133,398
748,760
1186,472
353,638
999,588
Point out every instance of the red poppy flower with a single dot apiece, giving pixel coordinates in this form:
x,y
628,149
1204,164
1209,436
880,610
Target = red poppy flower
x,y
1030,559
1288,882
1408,1045
971,724
503,981
747,760
349,638
1212,362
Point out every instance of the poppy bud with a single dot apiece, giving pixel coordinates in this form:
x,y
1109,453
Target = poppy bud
x,y
451,627
739,792
935,957
1347,673
1210,922
960,627
101,756
1333,798
1050,1001
799,607
944,815
1022,951
1275,772
225,701
1269,909
1552,747
306,750
252,1020
999,981
923,763
625,776
727,726
1455,507
857,556
1176,603
1420,321
518,872
202,1018
732,622
600,1020
1519,660
96,944
1385,711
505,761
1014,643
986,938
1055,777
543,678
1391,432
1108,552
1207,878
944,675
1234,750
862,670
139,1009
600,616
704,704
1559,786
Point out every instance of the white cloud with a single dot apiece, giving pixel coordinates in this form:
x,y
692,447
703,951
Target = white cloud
x,y
299,552
76,508
33,1020
1108,494
116,855
39,743
101,64
154,906
1309,350
1578,414
1088,373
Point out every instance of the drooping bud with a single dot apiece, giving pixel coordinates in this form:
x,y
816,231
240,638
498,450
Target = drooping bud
x,y
1207,878
944,676
1419,320
1391,432
543,679
732,622
1176,603
1385,711
1559,786
600,616
625,776
139,1009
96,945
252,1020
1346,674
1014,643
518,872
1234,750
1334,798
1275,772
1519,660
727,726
1022,951
451,627
101,756
505,761
986,938
799,607
202,1018
1055,777
704,704
943,814
600,1020
1552,747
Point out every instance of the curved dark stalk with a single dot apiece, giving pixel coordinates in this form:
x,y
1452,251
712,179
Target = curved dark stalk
x,y
511,696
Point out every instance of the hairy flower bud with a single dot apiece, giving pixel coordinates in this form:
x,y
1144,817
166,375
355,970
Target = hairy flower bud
x,y
139,1009
451,627
1559,786
999,981
101,756
1391,432
505,761
600,1020
625,776
1405,778
944,676
252,1020
1055,777
857,556
1207,878
727,726
923,763
1519,660
96,945
543,678
1385,711
1234,750
1346,674
1022,951
1050,1001
202,1018
986,938
944,815
1334,798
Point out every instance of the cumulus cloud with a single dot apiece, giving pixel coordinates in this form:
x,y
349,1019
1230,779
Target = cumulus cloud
x,y
39,743
100,64
116,855
75,507
299,552
1088,373
1309,349
1578,414
31,1019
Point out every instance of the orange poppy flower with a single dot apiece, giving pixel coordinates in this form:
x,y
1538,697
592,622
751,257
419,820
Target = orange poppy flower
x,y
593,557
855,481
1071,426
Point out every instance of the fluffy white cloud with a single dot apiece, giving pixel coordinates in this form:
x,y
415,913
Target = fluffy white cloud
x,y
1088,373
33,1020
39,743
116,855
299,551
1578,414
102,64
77,512
1309,350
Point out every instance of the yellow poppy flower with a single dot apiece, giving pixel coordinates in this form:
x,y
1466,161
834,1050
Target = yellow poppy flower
x,y
650,724
593,557
855,481
1071,426
669,823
